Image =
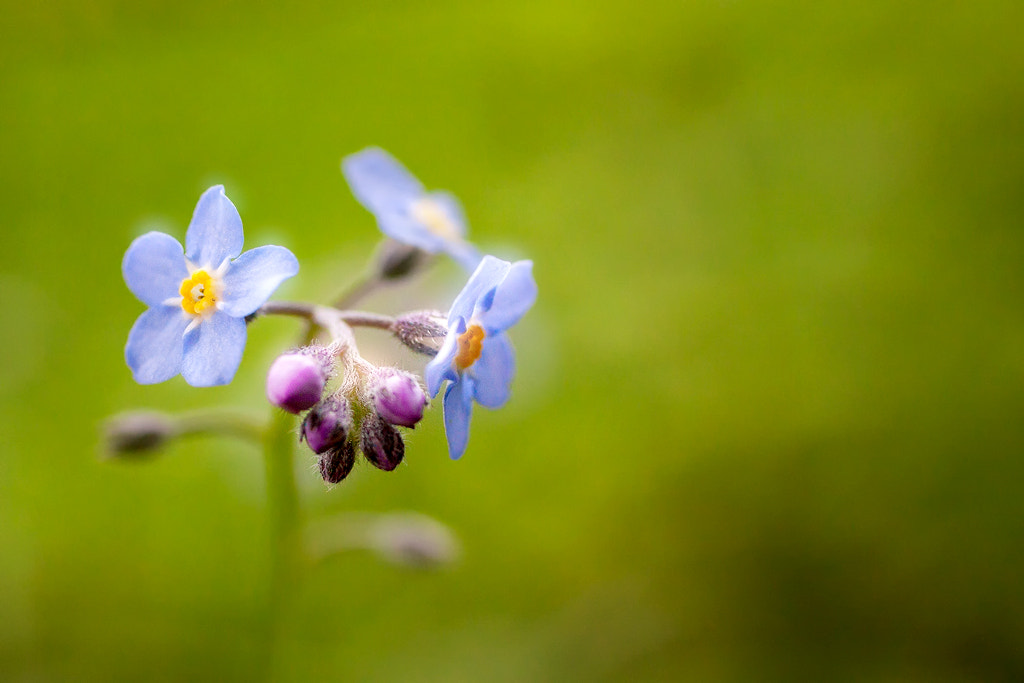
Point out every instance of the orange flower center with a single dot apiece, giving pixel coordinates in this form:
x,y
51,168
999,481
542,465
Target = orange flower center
x,y
198,293
470,343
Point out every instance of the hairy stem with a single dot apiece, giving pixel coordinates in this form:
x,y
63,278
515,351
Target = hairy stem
x,y
326,316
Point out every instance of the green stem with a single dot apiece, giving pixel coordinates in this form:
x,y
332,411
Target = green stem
x,y
286,541
285,537
224,422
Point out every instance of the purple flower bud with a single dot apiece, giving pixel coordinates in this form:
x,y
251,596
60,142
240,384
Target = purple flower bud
x,y
296,381
399,398
336,463
327,423
381,443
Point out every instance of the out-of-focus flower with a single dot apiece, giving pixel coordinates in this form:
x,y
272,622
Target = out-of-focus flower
x,y
405,211
477,358
198,297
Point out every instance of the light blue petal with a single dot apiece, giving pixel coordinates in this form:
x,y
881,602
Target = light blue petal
x,y
440,367
213,350
399,225
458,407
487,276
379,181
154,347
253,277
215,232
493,372
153,268
512,298
461,251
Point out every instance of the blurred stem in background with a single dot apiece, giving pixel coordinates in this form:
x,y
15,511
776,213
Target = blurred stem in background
x,y
285,539
410,540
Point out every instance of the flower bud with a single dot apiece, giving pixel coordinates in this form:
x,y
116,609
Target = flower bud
x,y
396,260
136,434
399,398
381,443
327,423
296,381
413,540
336,462
421,331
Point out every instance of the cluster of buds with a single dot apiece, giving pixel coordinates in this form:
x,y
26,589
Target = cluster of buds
x,y
361,415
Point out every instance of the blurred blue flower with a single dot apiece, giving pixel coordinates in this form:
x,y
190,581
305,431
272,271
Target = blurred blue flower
x,y
198,297
405,211
477,358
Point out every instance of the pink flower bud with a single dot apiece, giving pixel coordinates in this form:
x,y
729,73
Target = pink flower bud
x,y
327,424
399,398
295,382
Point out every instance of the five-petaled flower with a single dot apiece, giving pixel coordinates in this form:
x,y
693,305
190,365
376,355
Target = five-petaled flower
x,y
405,211
477,357
198,297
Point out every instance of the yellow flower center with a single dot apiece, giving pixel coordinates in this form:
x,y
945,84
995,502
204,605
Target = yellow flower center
x,y
429,213
470,343
198,293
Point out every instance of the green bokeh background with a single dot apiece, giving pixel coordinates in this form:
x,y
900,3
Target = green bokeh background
x,y
769,418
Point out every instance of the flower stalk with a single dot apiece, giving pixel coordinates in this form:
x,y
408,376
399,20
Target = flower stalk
x,y
201,299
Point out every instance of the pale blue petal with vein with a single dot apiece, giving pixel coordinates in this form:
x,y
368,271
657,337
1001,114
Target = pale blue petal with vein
x,y
153,268
213,350
440,367
215,232
154,347
458,406
253,277
512,298
493,372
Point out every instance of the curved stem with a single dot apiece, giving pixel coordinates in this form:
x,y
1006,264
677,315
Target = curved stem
x,y
325,316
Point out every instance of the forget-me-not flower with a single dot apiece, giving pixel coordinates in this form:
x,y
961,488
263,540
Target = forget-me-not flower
x,y
198,297
405,211
477,358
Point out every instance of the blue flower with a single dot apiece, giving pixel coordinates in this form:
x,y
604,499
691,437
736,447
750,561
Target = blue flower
x,y
477,358
198,297
405,211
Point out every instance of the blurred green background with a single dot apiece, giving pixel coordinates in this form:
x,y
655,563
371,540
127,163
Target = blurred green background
x,y
769,418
